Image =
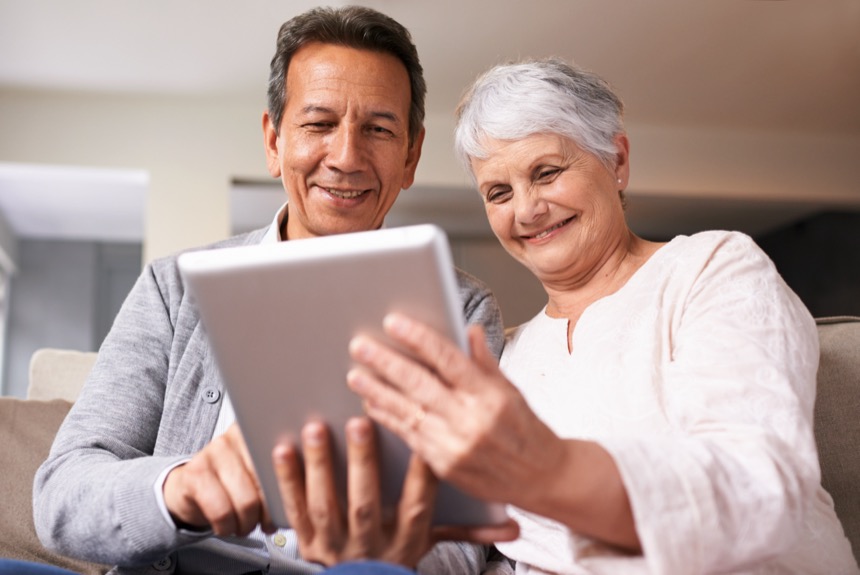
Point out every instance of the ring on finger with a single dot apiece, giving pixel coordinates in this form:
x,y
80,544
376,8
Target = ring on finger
x,y
417,417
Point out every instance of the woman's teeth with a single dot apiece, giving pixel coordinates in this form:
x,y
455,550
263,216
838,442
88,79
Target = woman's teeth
x,y
546,232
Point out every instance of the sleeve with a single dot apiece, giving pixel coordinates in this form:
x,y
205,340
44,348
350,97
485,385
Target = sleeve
x,y
733,481
101,459
481,308
454,557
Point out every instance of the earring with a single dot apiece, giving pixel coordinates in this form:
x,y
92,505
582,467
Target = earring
x,y
619,180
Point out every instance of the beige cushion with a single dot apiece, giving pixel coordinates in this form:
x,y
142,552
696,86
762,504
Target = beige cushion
x,y
837,419
59,373
27,429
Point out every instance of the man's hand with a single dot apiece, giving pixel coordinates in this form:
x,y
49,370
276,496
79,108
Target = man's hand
x,y
218,489
329,535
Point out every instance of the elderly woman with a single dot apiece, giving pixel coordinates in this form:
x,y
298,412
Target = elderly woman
x,y
656,415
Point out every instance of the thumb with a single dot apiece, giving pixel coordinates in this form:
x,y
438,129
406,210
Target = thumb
x,y
479,350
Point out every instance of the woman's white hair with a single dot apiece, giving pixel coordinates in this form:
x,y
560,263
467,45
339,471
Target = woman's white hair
x,y
514,101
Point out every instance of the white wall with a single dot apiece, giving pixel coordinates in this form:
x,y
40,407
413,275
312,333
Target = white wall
x,y
193,148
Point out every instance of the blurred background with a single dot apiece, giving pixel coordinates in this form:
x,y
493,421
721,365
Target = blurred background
x,y
132,129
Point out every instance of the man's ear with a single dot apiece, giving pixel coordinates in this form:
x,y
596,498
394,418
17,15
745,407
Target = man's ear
x,y
412,157
270,141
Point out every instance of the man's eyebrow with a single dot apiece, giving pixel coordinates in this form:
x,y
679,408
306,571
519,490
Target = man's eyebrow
x,y
381,114
390,116
313,108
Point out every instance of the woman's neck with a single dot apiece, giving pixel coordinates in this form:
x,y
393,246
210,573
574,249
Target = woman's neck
x,y
569,297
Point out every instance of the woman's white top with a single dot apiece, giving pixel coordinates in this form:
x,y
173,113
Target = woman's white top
x,y
698,376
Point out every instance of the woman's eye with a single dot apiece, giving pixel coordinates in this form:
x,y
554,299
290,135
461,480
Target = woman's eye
x,y
498,195
547,173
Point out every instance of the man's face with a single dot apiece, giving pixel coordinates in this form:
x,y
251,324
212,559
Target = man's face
x,y
343,152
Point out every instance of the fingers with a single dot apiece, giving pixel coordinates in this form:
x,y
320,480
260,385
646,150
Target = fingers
x,y
480,351
438,365
248,500
404,374
412,536
419,495
321,488
217,488
387,405
432,349
507,531
364,517
291,485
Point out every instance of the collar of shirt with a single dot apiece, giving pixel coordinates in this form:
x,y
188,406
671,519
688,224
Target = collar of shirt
x,y
273,234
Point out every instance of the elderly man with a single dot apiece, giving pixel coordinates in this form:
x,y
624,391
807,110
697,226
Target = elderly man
x,y
149,471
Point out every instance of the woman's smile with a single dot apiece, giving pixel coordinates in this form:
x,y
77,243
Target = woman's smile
x,y
548,231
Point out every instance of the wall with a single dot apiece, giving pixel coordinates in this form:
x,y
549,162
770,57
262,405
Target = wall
x,y
64,295
193,148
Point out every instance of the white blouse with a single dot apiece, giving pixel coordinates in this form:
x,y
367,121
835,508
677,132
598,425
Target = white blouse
x,y
698,376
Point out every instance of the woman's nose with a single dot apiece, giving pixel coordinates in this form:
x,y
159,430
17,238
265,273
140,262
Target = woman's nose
x,y
529,205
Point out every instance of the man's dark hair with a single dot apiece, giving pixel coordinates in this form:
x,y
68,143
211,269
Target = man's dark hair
x,y
354,27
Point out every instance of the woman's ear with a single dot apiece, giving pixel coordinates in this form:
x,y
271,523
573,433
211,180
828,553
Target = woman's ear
x,y
622,160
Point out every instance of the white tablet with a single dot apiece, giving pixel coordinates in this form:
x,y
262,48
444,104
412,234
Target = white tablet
x,y
280,317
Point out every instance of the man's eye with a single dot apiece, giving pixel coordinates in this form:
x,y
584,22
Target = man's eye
x,y
381,130
317,126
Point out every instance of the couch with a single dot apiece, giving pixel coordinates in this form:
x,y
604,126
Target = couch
x,y
27,428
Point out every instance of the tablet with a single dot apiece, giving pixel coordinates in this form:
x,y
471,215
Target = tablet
x,y
279,318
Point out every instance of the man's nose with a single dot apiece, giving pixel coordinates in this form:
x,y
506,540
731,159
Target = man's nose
x,y
346,150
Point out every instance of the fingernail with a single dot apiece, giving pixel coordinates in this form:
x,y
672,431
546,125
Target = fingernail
x,y
355,380
358,430
360,348
396,324
280,452
313,434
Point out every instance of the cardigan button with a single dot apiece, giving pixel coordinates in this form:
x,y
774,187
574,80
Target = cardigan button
x,y
211,395
163,564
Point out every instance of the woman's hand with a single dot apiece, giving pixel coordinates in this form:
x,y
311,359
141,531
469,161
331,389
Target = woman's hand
x,y
474,428
459,413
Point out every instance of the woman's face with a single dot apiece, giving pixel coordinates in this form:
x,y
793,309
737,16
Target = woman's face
x,y
554,207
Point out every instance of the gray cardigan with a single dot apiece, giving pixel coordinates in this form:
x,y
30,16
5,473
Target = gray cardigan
x,y
147,404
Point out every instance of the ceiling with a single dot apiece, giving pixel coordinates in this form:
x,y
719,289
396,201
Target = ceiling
x,y
753,64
